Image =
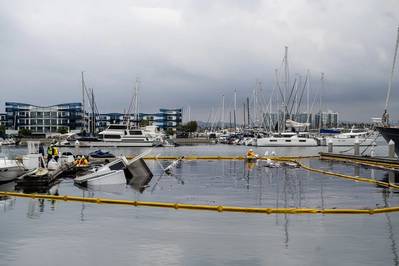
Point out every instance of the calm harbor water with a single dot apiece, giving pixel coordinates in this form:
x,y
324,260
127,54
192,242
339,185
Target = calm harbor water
x,y
41,232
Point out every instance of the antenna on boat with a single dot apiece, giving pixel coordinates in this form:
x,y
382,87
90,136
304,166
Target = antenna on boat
x,y
385,116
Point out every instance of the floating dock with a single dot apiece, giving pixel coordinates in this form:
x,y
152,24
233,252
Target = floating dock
x,y
364,160
44,181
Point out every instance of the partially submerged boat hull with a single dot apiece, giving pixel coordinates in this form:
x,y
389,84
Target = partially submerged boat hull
x,y
110,178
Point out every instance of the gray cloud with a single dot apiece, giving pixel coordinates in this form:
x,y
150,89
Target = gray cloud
x,y
192,52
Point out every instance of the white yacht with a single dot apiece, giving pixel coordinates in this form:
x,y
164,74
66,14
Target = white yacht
x,y
365,138
118,136
287,139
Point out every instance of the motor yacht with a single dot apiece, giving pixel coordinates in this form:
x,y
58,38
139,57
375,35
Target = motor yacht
x,y
118,136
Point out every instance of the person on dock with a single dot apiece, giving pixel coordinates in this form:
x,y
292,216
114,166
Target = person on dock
x,y
49,153
41,149
55,153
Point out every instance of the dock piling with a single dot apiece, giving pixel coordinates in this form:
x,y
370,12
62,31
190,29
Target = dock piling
x,y
330,146
357,147
391,149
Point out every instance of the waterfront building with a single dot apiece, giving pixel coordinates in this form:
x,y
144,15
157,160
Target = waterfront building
x,y
164,119
327,119
3,119
43,119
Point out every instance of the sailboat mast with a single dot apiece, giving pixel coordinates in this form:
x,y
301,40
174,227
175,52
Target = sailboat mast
x,y
321,98
235,110
254,107
385,119
307,95
244,114
83,102
136,103
286,85
249,117
222,111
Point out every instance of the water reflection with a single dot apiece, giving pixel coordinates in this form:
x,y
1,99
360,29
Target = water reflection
x,y
386,194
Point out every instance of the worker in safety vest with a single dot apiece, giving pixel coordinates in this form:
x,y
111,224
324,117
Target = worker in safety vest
x,y
82,161
49,153
251,154
55,153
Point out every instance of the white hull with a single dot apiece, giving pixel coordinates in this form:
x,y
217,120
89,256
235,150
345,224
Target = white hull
x,y
109,174
110,178
350,141
115,144
286,142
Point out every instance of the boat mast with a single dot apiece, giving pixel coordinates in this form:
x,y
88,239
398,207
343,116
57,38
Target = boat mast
x,y
83,102
249,117
320,95
307,95
286,84
244,113
93,120
222,111
136,103
385,117
235,109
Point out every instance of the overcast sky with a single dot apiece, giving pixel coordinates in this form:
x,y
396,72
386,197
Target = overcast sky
x,y
189,53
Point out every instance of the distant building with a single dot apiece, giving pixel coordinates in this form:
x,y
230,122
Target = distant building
x,y
164,119
43,119
168,118
327,119
3,119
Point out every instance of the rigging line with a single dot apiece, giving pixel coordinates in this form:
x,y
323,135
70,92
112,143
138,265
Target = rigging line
x,y
392,72
303,91
279,88
289,99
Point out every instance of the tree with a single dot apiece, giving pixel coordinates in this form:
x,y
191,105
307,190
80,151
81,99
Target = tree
x,y
191,126
62,130
2,129
24,132
144,123
169,131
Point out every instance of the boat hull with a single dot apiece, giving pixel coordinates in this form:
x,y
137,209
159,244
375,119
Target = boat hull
x,y
390,133
114,144
350,141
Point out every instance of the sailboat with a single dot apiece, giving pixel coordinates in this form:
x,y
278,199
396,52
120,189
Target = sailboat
x,y
285,138
389,132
